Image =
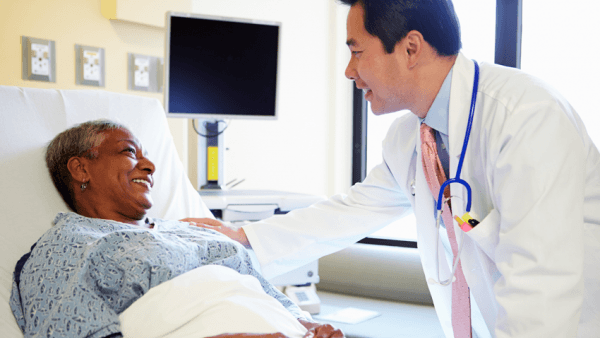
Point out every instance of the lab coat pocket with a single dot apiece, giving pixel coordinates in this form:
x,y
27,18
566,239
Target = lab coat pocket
x,y
485,234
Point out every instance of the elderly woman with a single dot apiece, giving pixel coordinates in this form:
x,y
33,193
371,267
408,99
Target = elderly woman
x,y
98,260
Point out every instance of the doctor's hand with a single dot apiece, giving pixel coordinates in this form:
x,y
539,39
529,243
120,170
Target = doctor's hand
x,y
236,234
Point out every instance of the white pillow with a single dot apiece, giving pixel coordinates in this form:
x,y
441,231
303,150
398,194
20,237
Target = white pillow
x,y
204,302
30,118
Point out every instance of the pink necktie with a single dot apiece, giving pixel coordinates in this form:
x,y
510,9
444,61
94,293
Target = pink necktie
x,y
434,173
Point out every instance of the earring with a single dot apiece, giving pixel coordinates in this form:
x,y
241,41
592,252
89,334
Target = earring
x,y
83,186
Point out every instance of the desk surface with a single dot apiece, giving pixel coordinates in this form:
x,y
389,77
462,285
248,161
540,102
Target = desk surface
x,y
286,201
397,319
246,193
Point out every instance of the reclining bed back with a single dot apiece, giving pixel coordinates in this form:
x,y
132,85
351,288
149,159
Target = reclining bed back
x,y
30,118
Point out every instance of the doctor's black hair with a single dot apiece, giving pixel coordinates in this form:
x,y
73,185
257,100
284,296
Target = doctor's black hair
x,y
391,20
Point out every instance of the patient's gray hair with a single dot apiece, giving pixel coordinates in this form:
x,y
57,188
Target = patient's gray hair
x,y
78,140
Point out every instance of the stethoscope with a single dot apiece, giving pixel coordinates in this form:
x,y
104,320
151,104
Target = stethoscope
x,y
457,179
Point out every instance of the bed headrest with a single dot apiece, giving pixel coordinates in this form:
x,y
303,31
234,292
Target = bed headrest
x,y
30,118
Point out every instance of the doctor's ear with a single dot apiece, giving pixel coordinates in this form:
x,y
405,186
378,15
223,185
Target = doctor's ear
x,y
78,168
412,47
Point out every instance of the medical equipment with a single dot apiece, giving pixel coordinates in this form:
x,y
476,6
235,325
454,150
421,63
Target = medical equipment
x,y
456,179
212,57
305,296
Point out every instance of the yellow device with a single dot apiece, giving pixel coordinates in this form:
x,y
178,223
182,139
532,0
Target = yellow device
x,y
212,163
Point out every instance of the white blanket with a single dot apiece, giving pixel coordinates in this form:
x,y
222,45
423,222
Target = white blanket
x,y
207,301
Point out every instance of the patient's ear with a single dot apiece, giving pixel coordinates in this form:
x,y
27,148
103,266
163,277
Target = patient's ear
x,y
78,168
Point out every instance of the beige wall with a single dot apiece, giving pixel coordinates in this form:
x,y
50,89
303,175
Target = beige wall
x,y
70,22
307,150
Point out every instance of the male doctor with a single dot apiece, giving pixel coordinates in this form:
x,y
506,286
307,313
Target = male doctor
x,y
531,267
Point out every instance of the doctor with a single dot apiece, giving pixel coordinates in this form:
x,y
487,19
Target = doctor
x,y
531,267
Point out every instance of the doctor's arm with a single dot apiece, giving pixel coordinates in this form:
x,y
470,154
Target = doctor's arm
x,y
538,189
284,242
341,220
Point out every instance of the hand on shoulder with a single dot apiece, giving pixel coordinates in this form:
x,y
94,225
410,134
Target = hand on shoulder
x,y
236,234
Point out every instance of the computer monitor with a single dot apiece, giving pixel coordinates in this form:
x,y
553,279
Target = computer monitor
x,y
220,68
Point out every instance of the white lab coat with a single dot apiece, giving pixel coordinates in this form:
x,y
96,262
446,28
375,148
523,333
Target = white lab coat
x,y
533,263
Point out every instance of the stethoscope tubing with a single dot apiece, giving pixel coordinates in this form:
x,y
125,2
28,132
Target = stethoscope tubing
x,y
458,180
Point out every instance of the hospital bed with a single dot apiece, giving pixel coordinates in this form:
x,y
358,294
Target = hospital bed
x,y
30,118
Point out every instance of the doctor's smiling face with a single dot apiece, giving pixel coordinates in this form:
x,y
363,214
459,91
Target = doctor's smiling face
x,y
384,77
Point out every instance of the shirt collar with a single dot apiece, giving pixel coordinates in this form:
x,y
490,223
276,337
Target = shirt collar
x,y
437,116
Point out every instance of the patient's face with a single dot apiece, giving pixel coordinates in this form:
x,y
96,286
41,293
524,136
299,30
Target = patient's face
x,y
121,177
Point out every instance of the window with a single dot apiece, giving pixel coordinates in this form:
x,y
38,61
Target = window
x,y
377,126
560,46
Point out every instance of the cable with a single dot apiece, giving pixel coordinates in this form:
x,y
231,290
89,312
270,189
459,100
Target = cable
x,y
205,123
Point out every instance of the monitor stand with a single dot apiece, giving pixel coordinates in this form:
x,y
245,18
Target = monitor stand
x,y
211,156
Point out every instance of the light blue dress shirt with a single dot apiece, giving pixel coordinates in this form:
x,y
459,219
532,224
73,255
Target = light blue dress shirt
x,y
437,118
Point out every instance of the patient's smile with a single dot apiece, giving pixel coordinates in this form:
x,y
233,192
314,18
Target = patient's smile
x,y
143,182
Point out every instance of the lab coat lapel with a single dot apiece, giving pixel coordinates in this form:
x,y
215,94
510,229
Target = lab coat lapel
x,y
461,92
460,101
471,257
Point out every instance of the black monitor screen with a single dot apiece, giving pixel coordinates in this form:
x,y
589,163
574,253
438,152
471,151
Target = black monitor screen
x,y
221,68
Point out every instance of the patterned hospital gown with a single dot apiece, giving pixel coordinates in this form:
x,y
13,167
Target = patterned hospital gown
x,y
84,272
